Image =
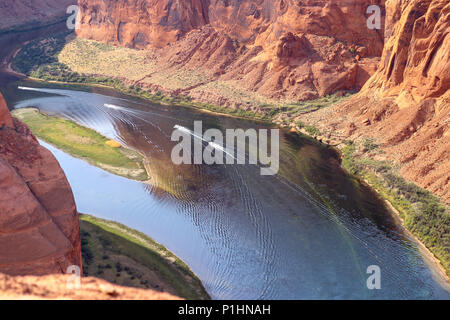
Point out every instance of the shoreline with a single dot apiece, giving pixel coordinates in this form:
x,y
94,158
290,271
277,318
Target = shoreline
x,y
137,236
154,101
430,259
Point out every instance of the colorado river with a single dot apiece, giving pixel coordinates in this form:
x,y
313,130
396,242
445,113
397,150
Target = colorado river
x,y
309,232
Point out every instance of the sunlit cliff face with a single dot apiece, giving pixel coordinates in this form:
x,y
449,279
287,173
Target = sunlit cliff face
x,y
156,23
279,49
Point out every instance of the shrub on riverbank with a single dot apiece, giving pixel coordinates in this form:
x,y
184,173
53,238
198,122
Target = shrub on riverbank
x,y
423,213
124,256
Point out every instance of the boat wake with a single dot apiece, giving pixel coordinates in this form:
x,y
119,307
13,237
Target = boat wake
x,y
212,144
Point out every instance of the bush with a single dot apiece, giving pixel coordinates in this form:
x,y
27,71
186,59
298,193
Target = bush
x,y
312,130
369,144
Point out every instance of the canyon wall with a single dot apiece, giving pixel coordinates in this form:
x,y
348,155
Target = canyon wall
x,y
29,13
280,49
406,104
157,23
39,227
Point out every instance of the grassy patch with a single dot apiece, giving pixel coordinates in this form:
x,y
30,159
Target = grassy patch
x,y
124,256
304,107
312,130
423,213
38,53
84,143
54,59
296,109
369,144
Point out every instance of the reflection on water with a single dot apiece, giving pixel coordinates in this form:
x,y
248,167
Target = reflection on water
x,y
309,232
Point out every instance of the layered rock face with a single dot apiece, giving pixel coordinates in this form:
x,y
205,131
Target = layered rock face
x,y
28,12
406,104
39,227
282,49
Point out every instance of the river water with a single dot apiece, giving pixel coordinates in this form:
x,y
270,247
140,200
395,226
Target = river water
x,y
309,232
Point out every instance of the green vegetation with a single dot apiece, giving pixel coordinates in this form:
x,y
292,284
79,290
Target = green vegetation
x,y
39,59
422,212
369,144
40,56
84,143
304,107
124,256
311,130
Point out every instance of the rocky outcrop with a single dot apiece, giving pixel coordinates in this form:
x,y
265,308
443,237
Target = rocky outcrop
x,y
281,49
39,227
56,287
416,57
406,104
26,14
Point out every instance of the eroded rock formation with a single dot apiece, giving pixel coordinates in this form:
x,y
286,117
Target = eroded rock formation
x,y
39,227
282,49
406,104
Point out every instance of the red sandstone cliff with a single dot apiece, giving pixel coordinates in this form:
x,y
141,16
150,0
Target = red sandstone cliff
x,y
406,104
39,228
25,13
281,49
